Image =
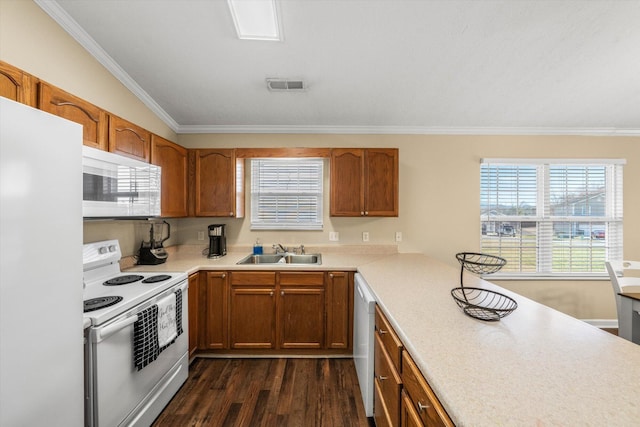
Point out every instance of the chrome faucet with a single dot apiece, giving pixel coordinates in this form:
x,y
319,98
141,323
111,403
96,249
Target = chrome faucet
x,y
279,248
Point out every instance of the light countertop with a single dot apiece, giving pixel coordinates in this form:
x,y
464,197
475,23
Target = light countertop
x,y
535,367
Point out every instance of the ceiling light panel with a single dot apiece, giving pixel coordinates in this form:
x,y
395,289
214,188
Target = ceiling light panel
x,y
256,19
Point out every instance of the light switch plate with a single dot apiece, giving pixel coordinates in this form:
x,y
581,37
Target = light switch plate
x,y
334,236
398,236
365,236
200,235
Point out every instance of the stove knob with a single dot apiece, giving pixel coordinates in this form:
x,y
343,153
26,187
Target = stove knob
x,y
102,250
112,248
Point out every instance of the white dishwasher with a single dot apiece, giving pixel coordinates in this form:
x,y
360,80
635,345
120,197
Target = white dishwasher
x,y
363,333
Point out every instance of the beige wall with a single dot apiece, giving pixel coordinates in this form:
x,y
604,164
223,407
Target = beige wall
x,y
35,43
439,175
440,202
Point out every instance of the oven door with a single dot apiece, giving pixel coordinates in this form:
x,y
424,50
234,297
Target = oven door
x,y
119,393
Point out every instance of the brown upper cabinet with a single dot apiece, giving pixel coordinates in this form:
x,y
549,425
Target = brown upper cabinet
x,y
364,182
128,139
17,85
173,160
216,183
94,120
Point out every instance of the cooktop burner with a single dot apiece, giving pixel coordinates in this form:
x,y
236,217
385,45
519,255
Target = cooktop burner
x,y
123,280
102,302
156,279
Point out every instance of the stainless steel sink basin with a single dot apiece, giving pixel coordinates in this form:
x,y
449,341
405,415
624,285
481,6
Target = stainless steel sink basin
x,y
262,259
308,259
303,259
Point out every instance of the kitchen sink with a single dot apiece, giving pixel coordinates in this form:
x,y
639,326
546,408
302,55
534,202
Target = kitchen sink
x,y
292,259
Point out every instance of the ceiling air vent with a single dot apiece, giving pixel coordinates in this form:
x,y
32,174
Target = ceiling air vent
x,y
285,85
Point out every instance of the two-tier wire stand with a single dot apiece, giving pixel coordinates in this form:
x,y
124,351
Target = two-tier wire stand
x,y
481,303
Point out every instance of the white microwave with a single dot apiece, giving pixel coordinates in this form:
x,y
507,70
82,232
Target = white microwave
x,y
115,186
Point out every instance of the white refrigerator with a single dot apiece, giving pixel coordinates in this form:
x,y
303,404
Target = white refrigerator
x,y
41,332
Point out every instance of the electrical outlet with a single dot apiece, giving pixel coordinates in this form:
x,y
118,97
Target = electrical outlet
x,y
200,235
334,236
365,236
398,236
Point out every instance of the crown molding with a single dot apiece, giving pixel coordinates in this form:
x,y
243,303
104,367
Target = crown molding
x,y
58,14
407,130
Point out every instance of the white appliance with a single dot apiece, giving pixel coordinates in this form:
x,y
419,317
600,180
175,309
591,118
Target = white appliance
x,y
130,376
364,313
40,268
115,186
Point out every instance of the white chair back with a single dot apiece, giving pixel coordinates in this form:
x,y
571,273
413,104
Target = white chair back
x,y
619,282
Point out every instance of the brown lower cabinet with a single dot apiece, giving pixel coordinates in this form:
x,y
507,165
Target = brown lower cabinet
x,y
274,311
402,395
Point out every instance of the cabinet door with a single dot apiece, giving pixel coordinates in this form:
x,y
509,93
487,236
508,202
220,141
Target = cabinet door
x,y
253,310
17,85
423,399
215,326
173,160
215,183
194,302
408,415
347,182
94,121
301,311
128,139
381,182
339,286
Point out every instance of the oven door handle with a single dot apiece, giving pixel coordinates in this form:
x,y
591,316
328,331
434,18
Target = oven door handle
x,y
107,331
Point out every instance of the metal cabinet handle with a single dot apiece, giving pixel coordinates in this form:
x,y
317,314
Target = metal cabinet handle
x,y
381,378
271,293
382,331
282,293
223,275
421,407
366,213
230,213
331,275
361,213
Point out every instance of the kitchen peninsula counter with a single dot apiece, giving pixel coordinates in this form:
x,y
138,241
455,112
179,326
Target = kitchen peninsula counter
x,y
535,367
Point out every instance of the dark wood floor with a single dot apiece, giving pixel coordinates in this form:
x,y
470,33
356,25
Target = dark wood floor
x,y
267,392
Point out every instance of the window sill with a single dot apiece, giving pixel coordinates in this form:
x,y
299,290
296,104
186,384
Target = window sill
x,y
547,277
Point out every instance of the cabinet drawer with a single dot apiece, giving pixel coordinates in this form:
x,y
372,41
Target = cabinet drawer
x,y
302,278
380,412
388,380
423,399
390,340
253,278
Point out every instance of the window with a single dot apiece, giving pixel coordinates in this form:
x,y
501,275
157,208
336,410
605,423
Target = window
x,y
286,194
551,217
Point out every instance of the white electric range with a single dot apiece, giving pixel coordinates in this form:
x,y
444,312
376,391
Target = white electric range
x,y
119,390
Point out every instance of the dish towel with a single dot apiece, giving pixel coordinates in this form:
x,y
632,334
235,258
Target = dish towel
x,y
145,337
146,346
167,328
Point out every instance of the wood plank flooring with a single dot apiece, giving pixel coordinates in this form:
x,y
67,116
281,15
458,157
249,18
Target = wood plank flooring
x,y
267,392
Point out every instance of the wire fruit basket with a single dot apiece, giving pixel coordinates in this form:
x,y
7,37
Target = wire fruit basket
x,y
478,303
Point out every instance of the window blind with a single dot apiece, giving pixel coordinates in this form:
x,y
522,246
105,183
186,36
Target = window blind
x,y
286,194
552,217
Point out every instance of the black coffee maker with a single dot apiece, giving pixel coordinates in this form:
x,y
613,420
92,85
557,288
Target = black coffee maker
x,y
153,251
217,241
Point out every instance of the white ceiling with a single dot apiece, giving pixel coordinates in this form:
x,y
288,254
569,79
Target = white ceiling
x,y
376,66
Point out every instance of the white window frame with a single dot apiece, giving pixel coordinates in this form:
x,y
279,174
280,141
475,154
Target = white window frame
x,y
287,201
544,244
